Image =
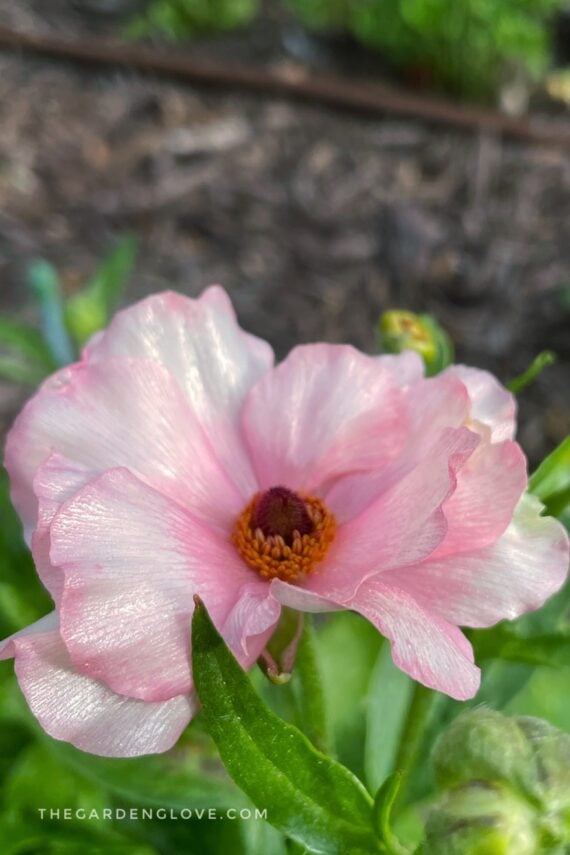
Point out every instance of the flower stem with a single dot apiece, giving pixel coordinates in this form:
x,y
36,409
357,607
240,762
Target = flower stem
x,y
309,690
413,731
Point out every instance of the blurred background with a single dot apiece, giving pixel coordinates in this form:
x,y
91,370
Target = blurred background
x,y
314,219
116,183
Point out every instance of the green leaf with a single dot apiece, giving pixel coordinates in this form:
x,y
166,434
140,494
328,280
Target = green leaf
x,y
90,309
309,797
551,650
22,597
38,780
28,343
44,283
112,276
20,837
383,804
348,647
544,695
551,482
537,366
389,698
188,776
261,837
15,370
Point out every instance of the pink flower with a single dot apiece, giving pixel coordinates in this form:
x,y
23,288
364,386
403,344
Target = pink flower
x,y
175,460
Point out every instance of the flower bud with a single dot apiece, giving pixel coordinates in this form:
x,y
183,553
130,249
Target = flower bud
x,y
551,749
483,745
506,784
401,330
481,819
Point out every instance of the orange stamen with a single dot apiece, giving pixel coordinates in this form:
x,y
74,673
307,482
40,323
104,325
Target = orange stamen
x,y
271,556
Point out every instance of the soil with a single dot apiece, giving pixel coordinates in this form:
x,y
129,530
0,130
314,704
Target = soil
x,y
315,222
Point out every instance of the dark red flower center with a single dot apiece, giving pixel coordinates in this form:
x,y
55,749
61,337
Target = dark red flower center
x,y
279,511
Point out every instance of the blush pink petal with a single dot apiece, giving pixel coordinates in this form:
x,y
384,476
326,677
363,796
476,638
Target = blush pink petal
x,y
431,407
491,404
401,527
489,486
325,410
56,481
517,574
83,711
132,561
424,645
434,404
122,413
251,621
300,598
214,361
406,367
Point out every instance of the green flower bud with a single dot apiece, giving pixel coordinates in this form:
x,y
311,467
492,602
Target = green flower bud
x,y
507,787
481,819
401,330
551,749
483,745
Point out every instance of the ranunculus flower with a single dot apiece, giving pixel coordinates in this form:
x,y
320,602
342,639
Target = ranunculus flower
x,y
175,460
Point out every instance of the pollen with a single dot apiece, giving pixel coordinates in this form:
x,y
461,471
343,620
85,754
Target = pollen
x,y
284,535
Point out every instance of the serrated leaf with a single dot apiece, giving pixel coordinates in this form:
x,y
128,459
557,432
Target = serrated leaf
x,y
309,797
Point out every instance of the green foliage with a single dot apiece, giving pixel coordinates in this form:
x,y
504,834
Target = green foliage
x,y
310,797
29,355
45,285
91,308
467,47
309,692
348,645
179,18
389,698
382,811
25,355
551,482
537,366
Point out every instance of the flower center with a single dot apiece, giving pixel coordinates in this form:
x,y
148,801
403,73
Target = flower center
x,y
284,535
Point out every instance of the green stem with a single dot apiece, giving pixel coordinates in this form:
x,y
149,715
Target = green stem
x,y
309,690
413,731
540,362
